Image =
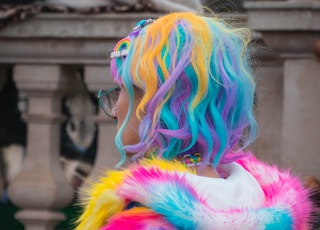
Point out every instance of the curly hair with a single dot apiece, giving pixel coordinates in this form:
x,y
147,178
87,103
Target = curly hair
x,y
194,74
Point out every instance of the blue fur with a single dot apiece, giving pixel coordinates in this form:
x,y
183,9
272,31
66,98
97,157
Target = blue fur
x,y
175,203
275,219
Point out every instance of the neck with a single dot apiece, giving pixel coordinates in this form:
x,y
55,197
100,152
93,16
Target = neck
x,y
207,171
194,160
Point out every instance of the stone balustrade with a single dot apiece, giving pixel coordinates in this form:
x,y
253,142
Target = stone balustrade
x,y
41,51
291,28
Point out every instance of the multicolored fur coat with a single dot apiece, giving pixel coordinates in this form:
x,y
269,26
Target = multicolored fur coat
x,y
158,194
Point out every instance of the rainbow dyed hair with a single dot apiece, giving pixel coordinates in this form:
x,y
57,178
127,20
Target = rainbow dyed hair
x,y
197,87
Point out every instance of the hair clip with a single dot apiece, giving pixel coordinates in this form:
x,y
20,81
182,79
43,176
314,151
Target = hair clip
x,y
116,54
143,23
121,49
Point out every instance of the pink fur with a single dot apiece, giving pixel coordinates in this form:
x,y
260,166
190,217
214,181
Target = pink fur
x,y
138,218
143,178
281,189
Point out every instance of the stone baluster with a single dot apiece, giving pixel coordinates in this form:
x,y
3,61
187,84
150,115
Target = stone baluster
x,y
97,77
291,28
40,189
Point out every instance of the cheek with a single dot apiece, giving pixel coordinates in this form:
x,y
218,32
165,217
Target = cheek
x,y
122,106
130,134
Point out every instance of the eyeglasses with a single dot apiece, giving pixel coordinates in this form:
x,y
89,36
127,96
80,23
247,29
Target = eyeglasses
x,y
108,99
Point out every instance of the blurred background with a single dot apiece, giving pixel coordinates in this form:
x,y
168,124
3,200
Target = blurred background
x,y
54,57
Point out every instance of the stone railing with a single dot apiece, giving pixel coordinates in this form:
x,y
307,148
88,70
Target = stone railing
x,y
43,52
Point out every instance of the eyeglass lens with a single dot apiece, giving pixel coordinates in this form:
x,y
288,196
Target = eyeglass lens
x,y
108,100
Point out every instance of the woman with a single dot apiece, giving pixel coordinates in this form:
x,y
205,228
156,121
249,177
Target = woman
x,y
183,105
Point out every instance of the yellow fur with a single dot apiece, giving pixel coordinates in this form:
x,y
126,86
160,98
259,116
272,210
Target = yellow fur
x,y
103,201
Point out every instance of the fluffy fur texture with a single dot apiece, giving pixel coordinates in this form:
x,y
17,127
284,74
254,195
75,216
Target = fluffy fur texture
x,y
138,218
197,87
170,202
313,185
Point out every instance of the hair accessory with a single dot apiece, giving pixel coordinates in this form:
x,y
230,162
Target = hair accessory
x,y
121,53
122,47
143,23
191,160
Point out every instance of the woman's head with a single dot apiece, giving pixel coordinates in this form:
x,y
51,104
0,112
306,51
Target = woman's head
x,y
188,85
